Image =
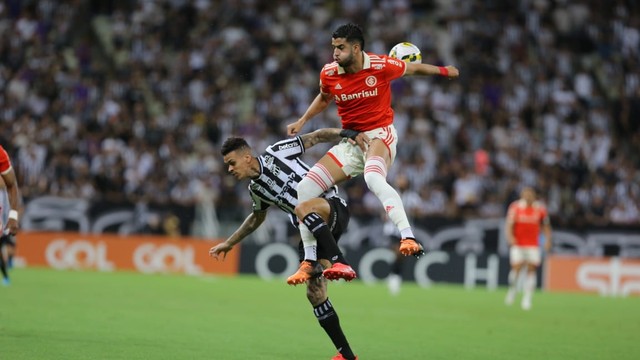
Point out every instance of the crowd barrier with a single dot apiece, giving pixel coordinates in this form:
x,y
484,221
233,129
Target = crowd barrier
x,y
607,276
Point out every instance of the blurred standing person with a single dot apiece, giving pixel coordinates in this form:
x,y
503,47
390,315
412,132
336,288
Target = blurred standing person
x,y
274,177
360,84
9,217
525,218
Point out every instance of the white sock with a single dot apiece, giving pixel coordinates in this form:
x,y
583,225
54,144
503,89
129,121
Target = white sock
x,y
309,243
529,285
375,175
407,233
317,181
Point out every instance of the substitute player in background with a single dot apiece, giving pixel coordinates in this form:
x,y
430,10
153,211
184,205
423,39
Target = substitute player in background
x,y
360,84
10,215
525,218
274,178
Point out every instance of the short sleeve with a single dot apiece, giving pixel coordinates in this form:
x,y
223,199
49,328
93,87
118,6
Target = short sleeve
x,y
5,163
394,68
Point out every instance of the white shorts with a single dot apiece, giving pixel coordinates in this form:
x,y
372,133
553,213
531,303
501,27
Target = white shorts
x,y
351,158
522,254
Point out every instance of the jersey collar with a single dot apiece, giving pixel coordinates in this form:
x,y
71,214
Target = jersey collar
x,y
365,65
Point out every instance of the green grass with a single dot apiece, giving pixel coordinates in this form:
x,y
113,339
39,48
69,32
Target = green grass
x,y
48,314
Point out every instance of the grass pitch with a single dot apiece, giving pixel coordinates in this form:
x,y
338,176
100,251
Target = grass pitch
x,y
49,314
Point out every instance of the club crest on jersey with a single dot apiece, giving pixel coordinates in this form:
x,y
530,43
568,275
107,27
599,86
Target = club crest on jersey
x,y
371,81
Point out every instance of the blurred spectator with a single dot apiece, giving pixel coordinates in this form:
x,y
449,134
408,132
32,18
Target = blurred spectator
x,y
124,102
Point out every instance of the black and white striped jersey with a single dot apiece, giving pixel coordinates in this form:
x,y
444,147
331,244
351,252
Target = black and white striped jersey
x,y
281,169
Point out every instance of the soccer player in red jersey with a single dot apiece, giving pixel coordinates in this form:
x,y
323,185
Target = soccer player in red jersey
x,y
360,84
525,218
11,228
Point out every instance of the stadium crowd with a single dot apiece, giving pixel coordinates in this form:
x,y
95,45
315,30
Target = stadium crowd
x,y
128,102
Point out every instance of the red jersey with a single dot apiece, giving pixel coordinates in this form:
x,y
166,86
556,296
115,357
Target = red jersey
x,y
364,98
5,163
526,221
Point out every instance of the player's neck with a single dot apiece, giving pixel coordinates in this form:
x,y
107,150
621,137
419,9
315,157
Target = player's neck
x,y
356,65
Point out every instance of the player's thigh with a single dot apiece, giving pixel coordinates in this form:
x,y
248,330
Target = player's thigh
x,y
344,160
339,216
384,143
516,255
532,256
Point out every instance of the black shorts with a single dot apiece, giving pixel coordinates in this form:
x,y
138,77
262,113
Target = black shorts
x,y
8,239
338,221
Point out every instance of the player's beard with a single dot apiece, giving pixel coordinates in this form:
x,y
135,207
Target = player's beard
x,y
346,62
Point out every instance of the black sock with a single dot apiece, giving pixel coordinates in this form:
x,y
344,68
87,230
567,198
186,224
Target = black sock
x,y
321,232
3,266
396,268
328,319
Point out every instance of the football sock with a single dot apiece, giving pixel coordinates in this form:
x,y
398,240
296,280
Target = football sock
x,y
512,278
396,267
321,232
3,266
407,233
10,261
309,243
328,319
375,175
529,285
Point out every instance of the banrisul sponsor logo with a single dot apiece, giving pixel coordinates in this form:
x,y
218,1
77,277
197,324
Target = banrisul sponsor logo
x,y
359,95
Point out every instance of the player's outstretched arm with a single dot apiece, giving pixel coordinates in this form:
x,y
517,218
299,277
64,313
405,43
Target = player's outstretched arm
x,y
334,135
318,105
249,225
449,71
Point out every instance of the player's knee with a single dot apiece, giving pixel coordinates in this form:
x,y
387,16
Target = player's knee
x,y
302,210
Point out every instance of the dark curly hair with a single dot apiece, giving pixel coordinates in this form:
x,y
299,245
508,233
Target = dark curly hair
x,y
351,32
233,144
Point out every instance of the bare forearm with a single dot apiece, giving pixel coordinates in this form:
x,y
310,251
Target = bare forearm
x,y
14,197
321,136
547,233
249,225
428,69
318,105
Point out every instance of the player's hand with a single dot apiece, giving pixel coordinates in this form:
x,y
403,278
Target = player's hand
x,y
453,71
362,140
221,249
12,226
547,245
294,128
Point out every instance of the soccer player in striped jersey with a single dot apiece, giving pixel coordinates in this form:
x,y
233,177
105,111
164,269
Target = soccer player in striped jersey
x,y
360,84
525,218
274,176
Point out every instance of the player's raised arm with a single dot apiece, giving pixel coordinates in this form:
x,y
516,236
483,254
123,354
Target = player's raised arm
x,y
427,69
318,105
249,225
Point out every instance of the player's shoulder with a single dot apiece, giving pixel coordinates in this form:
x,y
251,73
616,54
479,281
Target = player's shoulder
x,y
539,205
377,58
330,69
288,145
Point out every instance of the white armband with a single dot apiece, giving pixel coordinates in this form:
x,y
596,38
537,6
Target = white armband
x,y
13,214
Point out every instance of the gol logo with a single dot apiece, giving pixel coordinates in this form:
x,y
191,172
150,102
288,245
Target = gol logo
x,y
80,254
150,258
